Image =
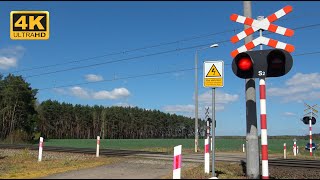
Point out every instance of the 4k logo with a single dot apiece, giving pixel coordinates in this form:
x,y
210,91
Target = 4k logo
x,y
29,25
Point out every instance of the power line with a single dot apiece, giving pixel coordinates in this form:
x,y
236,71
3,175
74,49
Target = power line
x,y
142,56
124,59
142,48
126,51
142,75
150,74
123,78
308,53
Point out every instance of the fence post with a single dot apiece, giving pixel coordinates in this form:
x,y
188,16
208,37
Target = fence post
x,y
98,146
206,156
177,162
243,148
285,151
40,149
294,148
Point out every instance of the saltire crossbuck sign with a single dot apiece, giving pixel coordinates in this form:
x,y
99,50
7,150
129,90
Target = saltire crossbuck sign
x,y
265,24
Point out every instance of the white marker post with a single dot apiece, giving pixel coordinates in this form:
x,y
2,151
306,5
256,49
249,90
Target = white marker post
x,y
177,162
285,151
294,148
206,156
40,149
243,148
297,149
98,146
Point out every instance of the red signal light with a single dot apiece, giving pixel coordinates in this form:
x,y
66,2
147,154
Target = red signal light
x,y
245,64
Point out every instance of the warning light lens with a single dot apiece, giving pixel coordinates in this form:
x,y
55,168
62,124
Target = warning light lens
x,y
276,59
245,64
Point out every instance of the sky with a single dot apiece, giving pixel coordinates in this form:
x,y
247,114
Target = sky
x,y
142,54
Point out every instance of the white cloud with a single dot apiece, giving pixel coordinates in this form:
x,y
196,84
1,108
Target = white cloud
x,y
80,92
6,63
59,90
9,56
114,94
220,97
123,105
178,108
289,114
298,88
93,78
178,74
205,100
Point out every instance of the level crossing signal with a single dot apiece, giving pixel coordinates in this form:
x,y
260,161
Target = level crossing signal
x,y
262,63
306,119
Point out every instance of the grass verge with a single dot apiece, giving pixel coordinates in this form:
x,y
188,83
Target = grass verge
x,y
20,164
224,170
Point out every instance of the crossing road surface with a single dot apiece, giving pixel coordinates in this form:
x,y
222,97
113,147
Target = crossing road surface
x,y
129,169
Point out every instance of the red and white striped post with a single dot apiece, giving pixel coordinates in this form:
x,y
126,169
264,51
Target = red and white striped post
x,y
177,162
284,150
98,146
263,124
310,135
295,148
40,149
208,132
206,156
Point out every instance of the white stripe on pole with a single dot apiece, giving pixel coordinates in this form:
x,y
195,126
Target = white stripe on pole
x,y
177,162
211,144
206,156
294,149
98,146
40,149
310,135
285,151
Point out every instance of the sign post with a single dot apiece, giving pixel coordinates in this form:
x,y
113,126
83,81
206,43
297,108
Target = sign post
x,y
244,67
213,77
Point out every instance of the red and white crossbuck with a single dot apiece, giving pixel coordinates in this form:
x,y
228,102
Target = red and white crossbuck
x,y
265,24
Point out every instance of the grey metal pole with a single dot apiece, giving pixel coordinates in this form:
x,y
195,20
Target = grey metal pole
x,y
252,144
213,127
196,103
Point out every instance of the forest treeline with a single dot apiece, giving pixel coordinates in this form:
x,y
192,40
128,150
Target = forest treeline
x,y
22,115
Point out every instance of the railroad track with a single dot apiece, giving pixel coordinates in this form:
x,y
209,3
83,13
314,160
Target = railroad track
x,y
198,158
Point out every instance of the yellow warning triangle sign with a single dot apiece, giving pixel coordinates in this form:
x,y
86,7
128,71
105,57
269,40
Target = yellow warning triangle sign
x,y
213,72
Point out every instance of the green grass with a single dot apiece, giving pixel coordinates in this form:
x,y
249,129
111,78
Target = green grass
x,y
166,145
221,144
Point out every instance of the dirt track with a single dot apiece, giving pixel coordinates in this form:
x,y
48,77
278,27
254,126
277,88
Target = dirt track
x,y
130,169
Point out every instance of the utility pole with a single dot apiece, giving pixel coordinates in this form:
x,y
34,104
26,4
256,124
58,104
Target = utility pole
x,y
196,129
213,127
252,145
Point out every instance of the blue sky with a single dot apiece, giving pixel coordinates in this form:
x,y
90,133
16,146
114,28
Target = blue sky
x,y
80,30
